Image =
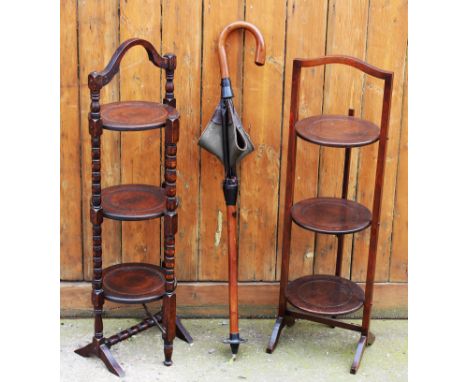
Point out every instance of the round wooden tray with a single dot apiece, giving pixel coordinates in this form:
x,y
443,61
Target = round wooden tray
x,y
133,202
331,215
135,115
325,294
133,283
337,131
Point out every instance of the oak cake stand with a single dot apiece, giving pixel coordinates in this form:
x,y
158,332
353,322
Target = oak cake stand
x,y
134,283
321,298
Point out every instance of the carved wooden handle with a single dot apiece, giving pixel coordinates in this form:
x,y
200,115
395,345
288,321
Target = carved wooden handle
x,y
96,80
259,54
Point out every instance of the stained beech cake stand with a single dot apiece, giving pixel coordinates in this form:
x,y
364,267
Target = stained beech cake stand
x,y
316,297
134,283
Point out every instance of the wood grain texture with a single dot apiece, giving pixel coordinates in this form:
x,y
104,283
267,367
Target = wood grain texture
x,y
300,14
213,261
141,151
71,250
185,40
209,299
342,91
387,43
260,171
98,26
373,30
399,259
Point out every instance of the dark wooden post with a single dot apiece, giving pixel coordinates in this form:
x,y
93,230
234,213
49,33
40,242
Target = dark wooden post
x,y
282,318
378,190
289,195
96,216
169,88
170,229
170,218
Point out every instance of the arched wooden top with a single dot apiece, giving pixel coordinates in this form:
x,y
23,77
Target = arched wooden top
x,y
345,60
96,80
259,53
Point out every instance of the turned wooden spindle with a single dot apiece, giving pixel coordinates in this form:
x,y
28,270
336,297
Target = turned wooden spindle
x,y
127,333
170,229
169,87
95,130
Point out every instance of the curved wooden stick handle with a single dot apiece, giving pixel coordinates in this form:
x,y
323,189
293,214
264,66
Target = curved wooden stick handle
x,y
259,54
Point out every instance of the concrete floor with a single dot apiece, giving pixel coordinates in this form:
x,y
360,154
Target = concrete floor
x,y
306,352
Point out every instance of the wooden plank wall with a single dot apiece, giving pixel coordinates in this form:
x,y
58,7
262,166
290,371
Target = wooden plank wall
x,y
374,30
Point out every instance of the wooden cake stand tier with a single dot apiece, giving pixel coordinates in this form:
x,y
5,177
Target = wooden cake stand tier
x,y
331,215
133,202
133,283
136,115
325,294
337,131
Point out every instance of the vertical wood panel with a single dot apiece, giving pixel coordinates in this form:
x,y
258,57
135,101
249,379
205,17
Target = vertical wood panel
x,y
212,263
386,49
399,259
98,33
140,151
304,39
260,170
185,39
347,23
71,264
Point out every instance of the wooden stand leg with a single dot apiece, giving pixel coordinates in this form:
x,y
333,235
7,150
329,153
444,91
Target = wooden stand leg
x,y
363,342
359,352
98,347
170,229
283,318
88,350
101,351
277,328
169,300
106,356
280,323
182,333
169,324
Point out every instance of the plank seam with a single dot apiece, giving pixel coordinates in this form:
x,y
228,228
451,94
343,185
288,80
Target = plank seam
x,y
197,276
285,52
361,112
319,161
403,100
80,141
